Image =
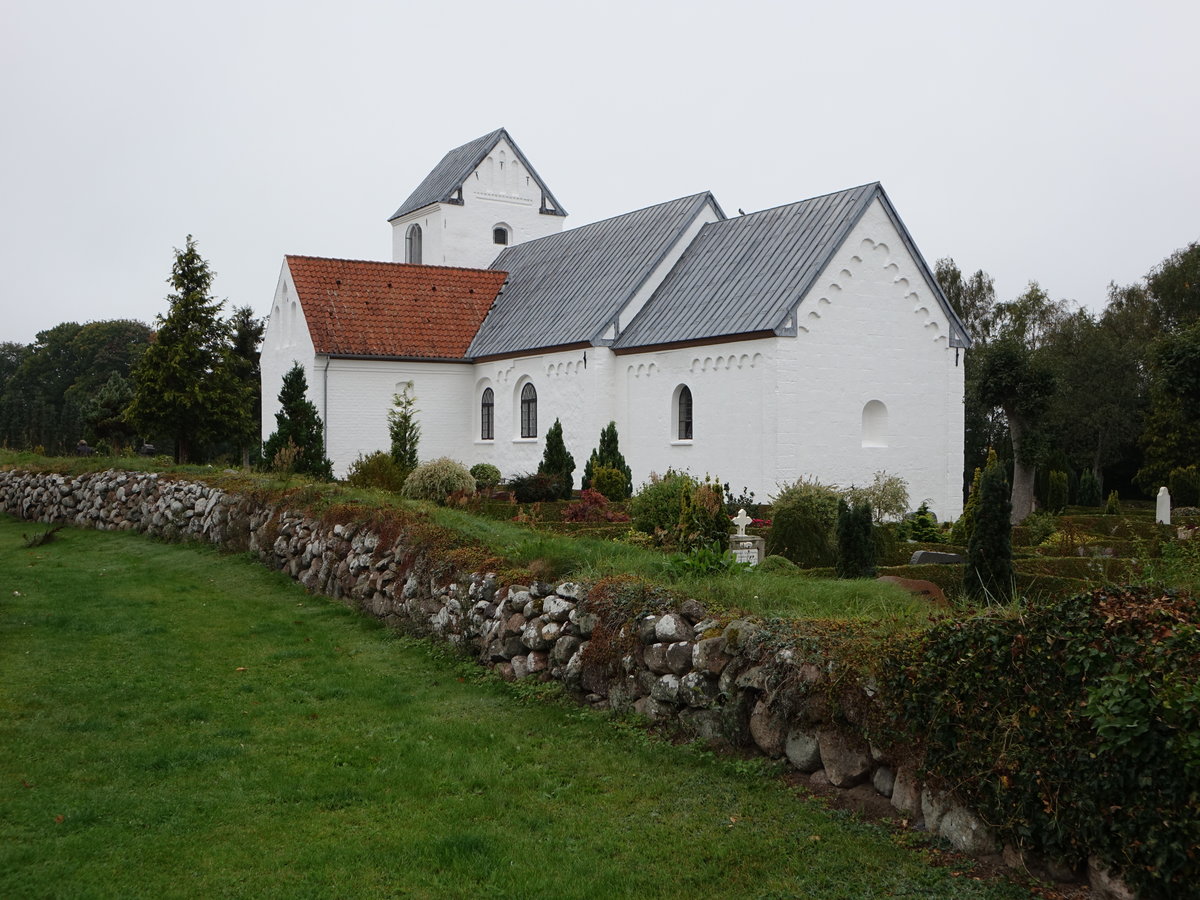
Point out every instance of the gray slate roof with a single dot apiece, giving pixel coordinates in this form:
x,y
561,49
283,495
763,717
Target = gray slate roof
x,y
565,288
747,274
456,167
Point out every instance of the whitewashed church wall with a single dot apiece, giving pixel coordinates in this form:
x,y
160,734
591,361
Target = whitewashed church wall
x,y
733,415
285,340
871,330
360,396
501,192
573,386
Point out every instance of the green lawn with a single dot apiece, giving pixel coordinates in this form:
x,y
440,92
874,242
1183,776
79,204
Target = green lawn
x,y
179,723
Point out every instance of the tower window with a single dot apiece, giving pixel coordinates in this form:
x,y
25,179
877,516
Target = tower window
x,y
528,411
412,244
487,416
500,235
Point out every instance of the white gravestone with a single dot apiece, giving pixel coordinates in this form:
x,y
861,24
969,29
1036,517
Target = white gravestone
x,y
746,548
1162,507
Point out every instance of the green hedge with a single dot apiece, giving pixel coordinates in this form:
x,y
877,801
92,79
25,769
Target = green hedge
x,y
1074,728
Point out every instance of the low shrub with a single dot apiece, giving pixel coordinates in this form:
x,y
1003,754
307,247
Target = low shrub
x,y
536,487
377,470
437,480
654,509
1184,485
921,525
610,482
702,517
486,476
592,506
803,516
777,565
712,559
1112,506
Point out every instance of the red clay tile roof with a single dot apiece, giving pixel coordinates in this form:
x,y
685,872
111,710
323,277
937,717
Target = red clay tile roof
x,y
358,308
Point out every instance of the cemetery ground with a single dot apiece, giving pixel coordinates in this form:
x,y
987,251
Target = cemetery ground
x,y
179,722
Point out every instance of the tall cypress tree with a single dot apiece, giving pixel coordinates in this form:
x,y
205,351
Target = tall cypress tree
x,y
298,425
557,461
855,542
608,455
988,577
186,384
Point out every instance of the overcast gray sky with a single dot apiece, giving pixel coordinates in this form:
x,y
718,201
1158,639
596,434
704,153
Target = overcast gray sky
x,y
1055,141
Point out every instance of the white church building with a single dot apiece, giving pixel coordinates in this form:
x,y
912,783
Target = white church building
x,y
810,339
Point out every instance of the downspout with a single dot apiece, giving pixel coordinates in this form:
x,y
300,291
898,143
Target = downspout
x,y
325,406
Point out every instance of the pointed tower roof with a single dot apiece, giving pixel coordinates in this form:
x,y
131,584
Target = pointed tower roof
x,y
456,167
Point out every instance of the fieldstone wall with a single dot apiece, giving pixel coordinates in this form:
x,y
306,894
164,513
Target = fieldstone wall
x,y
722,682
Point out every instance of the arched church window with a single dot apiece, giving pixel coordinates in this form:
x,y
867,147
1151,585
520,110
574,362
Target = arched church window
x,y
683,413
528,411
875,424
487,415
412,244
500,235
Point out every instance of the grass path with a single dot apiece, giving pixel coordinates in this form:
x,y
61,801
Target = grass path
x,y
179,723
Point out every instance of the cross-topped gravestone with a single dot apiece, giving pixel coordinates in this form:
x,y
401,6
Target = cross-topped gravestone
x,y
741,520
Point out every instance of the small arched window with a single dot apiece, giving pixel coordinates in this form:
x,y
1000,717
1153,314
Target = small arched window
x,y
412,244
875,424
487,417
528,411
683,414
500,235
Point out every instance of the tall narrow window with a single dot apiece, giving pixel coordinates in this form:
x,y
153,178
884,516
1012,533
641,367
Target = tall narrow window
x,y
487,420
528,411
685,414
412,244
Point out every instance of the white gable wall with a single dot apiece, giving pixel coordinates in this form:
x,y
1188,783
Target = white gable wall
x,y
499,192
871,330
285,340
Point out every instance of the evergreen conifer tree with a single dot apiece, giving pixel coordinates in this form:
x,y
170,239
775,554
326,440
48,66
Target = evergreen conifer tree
x,y
403,428
186,384
988,577
855,542
608,455
556,461
298,425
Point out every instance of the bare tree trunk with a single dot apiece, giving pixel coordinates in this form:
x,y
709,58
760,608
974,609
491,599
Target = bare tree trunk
x,y
1023,472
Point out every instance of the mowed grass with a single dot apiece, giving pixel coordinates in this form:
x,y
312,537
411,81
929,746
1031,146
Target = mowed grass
x,y
179,723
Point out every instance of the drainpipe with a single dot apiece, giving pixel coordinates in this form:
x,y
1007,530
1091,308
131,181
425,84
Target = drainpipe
x,y
325,406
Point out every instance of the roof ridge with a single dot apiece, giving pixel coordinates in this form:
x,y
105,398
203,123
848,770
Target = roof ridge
x,y
383,262
849,190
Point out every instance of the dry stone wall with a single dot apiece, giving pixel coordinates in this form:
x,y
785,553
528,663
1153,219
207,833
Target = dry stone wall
x,y
718,681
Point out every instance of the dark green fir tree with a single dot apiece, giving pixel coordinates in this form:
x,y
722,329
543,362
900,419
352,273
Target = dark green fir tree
x,y
855,542
298,444
608,456
988,578
557,462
